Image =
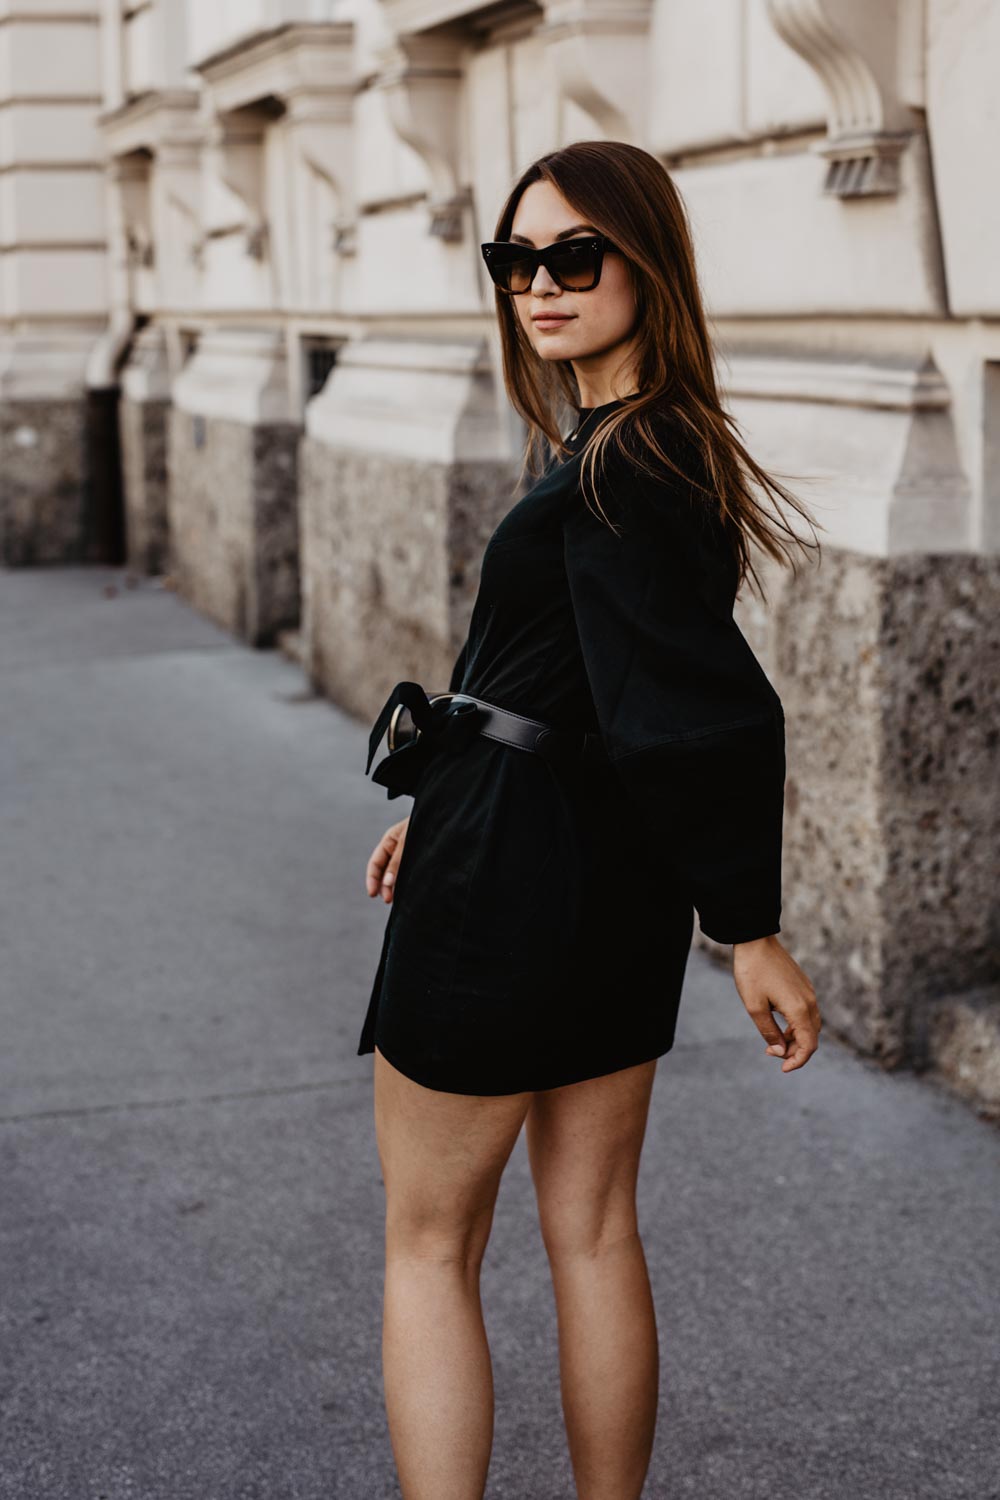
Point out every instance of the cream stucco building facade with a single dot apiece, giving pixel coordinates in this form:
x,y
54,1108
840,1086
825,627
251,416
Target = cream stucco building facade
x,y
202,207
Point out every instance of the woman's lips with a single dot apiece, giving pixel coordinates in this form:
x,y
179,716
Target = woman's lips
x,y
553,322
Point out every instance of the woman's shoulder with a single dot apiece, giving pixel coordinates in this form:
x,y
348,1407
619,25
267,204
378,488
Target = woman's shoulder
x,y
654,473
662,505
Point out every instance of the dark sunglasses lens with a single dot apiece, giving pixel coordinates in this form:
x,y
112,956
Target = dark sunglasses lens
x,y
511,271
575,265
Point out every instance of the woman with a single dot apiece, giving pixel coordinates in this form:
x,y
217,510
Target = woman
x,y
543,899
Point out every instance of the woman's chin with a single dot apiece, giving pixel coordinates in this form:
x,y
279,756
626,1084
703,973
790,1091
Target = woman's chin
x,y
555,347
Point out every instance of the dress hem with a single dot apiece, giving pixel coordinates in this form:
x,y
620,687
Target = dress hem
x,y
603,1072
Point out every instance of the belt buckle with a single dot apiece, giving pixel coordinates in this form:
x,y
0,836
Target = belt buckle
x,y
391,731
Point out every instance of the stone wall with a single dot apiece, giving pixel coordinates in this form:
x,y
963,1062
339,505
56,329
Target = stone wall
x,y
43,496
390,561
144,475
233,516
940,787
888,672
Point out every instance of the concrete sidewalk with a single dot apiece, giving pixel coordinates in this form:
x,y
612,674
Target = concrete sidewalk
x,y
190,1200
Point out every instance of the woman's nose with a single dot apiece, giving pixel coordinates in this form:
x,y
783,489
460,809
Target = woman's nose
x,y
547,281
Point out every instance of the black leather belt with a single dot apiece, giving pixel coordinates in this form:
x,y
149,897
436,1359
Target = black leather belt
x,y
415,722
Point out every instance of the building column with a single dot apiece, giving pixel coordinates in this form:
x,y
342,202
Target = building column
x,y
232,465
405,472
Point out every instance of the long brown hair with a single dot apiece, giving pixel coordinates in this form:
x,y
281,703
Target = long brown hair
x,y
628,195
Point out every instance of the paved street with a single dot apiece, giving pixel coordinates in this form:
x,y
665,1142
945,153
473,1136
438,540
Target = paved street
x,y
190,1201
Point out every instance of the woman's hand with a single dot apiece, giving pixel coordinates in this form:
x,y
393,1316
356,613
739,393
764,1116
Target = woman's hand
x,y
767,975
382,867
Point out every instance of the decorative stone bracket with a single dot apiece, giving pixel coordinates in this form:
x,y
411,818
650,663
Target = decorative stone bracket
x,y
159,128
421,77
344,236
235,144
857,50
139,248
321,125
178,163
130,175
303,70
599,51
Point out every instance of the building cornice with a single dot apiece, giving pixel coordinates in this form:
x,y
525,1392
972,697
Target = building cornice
x,y
891,383
411,16
298,58
147,120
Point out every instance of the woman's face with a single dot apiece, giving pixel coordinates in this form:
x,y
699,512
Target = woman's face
x,y
594,328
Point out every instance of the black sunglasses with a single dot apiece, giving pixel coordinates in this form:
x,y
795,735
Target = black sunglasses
x,y
575,265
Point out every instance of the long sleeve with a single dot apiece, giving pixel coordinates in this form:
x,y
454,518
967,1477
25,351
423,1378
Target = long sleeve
x,y
458,670
692,724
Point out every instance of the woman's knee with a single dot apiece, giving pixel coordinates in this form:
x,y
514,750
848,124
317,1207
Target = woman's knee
x,y
587,1223
447,1227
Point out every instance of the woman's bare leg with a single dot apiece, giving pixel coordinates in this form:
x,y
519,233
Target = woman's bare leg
x,y
442,1158
584,1142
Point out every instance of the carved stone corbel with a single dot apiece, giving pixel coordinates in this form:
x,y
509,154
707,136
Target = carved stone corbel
x,y
322,126
178,164
303,70
855,48
130,177
448,215
344,236
236,143
598,49
421,77
139,248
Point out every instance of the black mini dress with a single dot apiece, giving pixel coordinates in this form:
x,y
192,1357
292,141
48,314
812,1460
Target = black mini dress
x,y
542,915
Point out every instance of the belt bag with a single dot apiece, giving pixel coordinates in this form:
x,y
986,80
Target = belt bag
x,y
417,725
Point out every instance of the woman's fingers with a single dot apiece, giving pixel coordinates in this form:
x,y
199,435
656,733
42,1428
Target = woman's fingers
x,y
389,878
766,1023
799,1040
796,1044
779,1046
802,1047
376,865
380,873
769,979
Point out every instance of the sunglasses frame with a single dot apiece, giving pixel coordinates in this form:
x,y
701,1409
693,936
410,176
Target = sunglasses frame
x,y
602,245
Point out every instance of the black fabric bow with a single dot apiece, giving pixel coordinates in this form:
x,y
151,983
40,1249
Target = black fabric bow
x,y
445,725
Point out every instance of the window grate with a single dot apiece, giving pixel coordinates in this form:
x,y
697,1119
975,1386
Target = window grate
x,y
319,361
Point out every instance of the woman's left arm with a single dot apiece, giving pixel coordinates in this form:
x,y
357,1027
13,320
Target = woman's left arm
x,y
692,724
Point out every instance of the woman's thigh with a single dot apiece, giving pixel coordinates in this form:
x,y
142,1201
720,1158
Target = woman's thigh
x,y
442,1159
584,1142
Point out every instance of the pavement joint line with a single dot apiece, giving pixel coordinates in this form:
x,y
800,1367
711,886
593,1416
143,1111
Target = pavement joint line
x,y
273,1091
10,669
